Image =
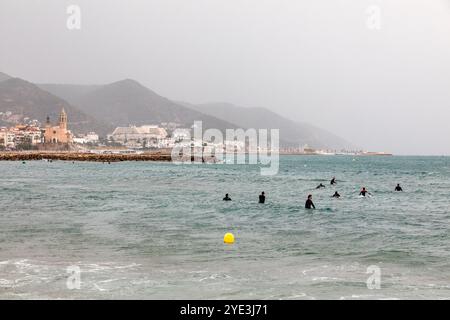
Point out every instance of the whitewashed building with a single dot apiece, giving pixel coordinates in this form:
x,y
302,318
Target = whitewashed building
x,y
91,137
143,135
6,138
20,134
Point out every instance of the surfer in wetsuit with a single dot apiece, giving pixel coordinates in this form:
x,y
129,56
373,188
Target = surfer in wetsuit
x,y
336,195
262,197
398,188
309,204
333,181
227,198
364,191
320,186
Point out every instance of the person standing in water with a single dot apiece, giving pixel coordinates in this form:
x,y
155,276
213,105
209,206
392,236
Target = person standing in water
x,y
262,197
309,203
227,198
363,192
398,188
333,181
336,195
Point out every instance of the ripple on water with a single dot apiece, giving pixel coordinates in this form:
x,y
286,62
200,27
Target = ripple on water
x,y
143,230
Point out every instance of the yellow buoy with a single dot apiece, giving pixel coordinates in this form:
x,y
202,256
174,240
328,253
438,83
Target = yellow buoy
x,y
228,238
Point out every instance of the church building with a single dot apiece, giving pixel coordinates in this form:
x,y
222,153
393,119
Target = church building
x,y
58,134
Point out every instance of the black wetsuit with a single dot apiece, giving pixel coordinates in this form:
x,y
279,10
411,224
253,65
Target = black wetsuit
x,y
227,198
320,186
398,188
336,195
309,204
262,198
363,193
333,181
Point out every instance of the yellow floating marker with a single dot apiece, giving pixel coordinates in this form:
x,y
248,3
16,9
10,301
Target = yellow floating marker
x,y
228,238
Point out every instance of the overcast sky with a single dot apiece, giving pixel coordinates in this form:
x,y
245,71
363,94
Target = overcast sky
x,y
323,62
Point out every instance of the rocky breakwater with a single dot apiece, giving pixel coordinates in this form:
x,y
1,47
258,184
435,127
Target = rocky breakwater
x,y
74,156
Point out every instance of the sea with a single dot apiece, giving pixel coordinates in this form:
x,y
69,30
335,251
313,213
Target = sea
x,y
154,230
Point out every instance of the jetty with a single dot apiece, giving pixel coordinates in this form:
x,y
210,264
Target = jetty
x,y
78,156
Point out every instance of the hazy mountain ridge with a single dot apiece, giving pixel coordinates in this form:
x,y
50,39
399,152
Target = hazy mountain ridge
x,y
72,93
292,133
127,102
25,99
4,76
101,108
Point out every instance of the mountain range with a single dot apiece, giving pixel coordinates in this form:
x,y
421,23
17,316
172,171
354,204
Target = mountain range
x,y
101,108
127,102
25,99
292,134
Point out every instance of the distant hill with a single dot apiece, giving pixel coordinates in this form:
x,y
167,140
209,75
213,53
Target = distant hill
x,y
127,102
72,93
291,133
4,76
25,99
101,108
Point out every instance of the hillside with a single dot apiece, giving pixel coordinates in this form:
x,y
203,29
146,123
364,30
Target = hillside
x,y
127,102
24,99
101,108
4,76
291,133
72,93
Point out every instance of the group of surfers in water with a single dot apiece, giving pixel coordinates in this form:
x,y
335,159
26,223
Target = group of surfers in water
x,y
309,203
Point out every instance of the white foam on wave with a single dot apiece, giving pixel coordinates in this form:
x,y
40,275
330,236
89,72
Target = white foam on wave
x,y
216,276
98,288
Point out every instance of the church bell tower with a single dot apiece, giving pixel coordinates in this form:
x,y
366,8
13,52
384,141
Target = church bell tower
x,y
63,120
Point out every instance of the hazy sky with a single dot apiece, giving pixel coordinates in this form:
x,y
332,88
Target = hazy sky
x,y
323,62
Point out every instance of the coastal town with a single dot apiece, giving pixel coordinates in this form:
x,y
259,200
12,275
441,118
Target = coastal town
x,y
30,135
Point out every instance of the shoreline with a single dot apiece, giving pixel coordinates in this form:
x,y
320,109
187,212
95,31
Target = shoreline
x,y
114,157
